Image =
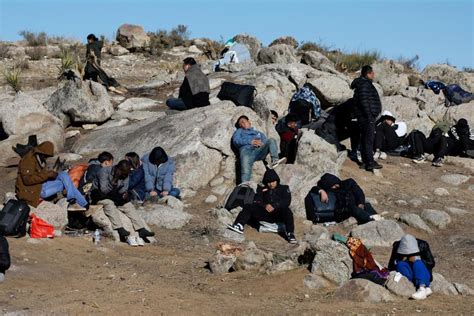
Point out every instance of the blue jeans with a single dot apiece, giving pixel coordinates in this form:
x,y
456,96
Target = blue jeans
x,y
173,192
416,272
176,104
248,155
62,182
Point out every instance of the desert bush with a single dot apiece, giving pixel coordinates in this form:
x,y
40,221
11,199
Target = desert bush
x,y
213,48
468,69
313,46
4,50
288,40
37,52
23,64
355,60
163,39
409,63
13,77
35,39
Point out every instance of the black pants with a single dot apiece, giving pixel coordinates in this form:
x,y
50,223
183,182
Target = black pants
x,y
288,149
362,215
259,213
367,138
385,137
4,255
354,135
439,146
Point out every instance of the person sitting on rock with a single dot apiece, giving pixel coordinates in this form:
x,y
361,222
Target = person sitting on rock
x,y
4,258
287,128
388,135
195,89
35,180
105,159
436,144
110,189
305,105
350,199
159,171
136,184
253,145
412,258
461,140
271,204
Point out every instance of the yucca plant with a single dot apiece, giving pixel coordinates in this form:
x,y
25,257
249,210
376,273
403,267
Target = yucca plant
x,y
12,77
67,61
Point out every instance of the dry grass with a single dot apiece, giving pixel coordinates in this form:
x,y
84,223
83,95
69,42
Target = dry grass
x,y
37,52
34,39
13,77
4,50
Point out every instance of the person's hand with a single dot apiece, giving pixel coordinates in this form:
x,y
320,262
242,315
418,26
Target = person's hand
x,y
324,196
153,193
362,206
164,193
411,259
257,143
269,208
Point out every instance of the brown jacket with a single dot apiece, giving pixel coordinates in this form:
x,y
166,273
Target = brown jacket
x,y
31,175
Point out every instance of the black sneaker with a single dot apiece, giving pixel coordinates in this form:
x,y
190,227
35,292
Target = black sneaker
x,y
123,234
362,166
291,238
238,228
438,162
375,165
144,233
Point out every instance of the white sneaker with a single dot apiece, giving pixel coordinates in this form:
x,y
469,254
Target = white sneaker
x,y
132,241
377,155
420,294
75,208
383,155
140,241
278,162
428,291
376,217
2,277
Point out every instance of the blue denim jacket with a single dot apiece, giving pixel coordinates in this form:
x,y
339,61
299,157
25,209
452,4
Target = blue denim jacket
x,y
243,137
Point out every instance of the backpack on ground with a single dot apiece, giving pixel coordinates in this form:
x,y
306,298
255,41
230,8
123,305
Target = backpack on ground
x,y
320,212
13,218
241,95
77,172
240,196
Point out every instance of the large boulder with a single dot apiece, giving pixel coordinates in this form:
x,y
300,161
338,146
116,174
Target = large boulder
x,y
361,290
378,233
442,286
54,214
164,216
332,261
132,37
448,75
274,92
80,101
252,43
331,89
455,179
388,75
415,221
401,287
253,258
277,54
318,61
138,104
440,219
287,40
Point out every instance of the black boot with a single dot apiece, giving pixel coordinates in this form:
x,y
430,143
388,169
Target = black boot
x,y
123,233
143,233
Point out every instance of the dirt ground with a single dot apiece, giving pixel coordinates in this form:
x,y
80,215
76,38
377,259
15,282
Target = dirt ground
x,y
69,275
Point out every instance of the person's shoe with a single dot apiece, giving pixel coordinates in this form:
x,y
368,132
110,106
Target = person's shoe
x,y
275,163
377,155
76,208
2,277
438,162
383,155
123,234
428,291
353,156
140,241
238,228
420,294
291,238
373,166
419,159
132,241
362,166
376,217
93,209
144,233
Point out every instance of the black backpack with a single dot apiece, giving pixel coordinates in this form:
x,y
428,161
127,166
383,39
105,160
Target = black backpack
x,y
240,196
13,218
241,95
317,211
302,109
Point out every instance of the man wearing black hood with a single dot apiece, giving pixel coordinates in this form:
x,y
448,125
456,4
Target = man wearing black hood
x,y
367,109
350,199
461,141
271,204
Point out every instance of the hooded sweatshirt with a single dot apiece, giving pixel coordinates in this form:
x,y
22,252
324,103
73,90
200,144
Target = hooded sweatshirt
x,y
32,174
349,193
279,198
366,99
423,251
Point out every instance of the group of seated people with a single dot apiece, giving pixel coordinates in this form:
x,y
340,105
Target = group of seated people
x,y
103,184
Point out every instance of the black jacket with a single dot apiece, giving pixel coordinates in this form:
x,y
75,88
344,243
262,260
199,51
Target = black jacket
x,y
192,101
95,47
425,254
366,99
4,255
279,198
348,195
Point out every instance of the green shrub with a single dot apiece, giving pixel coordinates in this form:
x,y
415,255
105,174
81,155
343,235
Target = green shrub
x,y
35,39
68,61
12,77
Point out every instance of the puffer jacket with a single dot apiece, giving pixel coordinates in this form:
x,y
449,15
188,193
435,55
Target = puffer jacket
x,y
366,98
158,178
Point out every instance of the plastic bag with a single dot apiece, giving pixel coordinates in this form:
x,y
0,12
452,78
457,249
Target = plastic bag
x,y
40,228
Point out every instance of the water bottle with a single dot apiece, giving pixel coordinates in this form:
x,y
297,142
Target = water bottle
x,y
96,238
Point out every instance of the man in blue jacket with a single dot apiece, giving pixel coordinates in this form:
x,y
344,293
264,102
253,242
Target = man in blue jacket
x,y
253,145
159,172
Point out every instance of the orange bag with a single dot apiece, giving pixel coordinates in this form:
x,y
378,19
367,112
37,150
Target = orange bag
x,y
40,228
77,172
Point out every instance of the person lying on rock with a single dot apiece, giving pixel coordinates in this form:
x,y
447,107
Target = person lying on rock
x,y
35,181
388,135
350,199
195,89
253,146
287,128
4,258
412,258
110,189
136,184
271,204
159,171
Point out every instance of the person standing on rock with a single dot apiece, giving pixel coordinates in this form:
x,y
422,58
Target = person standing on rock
x,y
195,89
271,204
367,108
253,146
159,171
412,258
93,55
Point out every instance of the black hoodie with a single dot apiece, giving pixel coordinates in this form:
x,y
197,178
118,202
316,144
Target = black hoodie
x,y
279,198
366,99
348,194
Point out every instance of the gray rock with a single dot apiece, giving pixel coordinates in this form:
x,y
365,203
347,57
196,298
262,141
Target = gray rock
x,y
54,214
441,192
371,200
332,261
286,265
350,222
331,89
390,77
471,188
118,50
463,289
231,235
223,216
436,218
316,282
253,258
455,179
211,199
277,54
415,221
361,290
446,73
441,285
69,157
217,181
9,196
173,202
288,40
378,233
132,36
416,202
112,123
138,104
456,211
403,287
80,101
220,263
318,61
317,232
167,217
137,115
401,203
